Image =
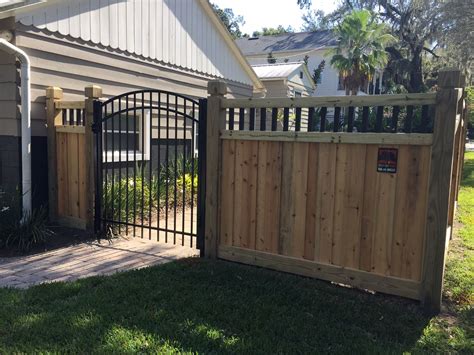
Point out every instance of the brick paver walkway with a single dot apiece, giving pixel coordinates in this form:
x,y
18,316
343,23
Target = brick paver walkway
x,y
87,259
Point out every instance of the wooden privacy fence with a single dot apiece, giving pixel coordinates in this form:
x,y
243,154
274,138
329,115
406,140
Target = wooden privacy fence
x,y
372,210
70,158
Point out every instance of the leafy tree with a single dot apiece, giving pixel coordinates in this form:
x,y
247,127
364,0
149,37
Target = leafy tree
x,y
360,50
270,31
315,20
317,73
230,20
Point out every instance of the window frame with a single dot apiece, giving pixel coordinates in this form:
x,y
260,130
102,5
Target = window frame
x,y
143,153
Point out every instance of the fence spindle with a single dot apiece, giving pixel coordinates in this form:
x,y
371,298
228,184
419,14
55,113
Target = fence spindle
x,y
252,119
298,119
311,127
274,119
337,119
350,119
322,114
286,118
263,119
365,119
241,119
231,119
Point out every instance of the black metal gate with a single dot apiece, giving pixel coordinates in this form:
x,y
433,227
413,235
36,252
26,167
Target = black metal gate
x,y
150,156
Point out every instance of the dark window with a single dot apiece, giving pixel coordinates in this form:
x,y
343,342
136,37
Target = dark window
x,y
301,75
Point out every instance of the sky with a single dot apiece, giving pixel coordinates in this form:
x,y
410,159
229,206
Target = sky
x,y
271,13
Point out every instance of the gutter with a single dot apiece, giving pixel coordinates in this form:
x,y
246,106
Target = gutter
x,y
25,122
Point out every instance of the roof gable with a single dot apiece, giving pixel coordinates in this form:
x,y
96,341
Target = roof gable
x,y
286,71
185,33
286,42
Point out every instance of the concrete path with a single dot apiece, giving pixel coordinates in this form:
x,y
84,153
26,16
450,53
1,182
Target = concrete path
x,y
88,259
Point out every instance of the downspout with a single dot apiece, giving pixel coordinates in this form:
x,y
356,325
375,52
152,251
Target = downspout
x,y
25,121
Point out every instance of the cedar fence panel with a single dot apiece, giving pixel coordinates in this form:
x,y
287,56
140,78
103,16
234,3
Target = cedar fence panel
x,y
70,159
309,198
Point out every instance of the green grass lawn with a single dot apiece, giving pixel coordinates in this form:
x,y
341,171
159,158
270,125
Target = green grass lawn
x,y
201,306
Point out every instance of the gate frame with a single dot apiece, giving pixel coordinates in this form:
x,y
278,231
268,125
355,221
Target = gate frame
x,y
93,108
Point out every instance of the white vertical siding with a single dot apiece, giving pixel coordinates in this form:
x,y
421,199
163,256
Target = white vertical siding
x,y
177,32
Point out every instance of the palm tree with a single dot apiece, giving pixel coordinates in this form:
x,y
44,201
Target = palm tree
x,y
360,50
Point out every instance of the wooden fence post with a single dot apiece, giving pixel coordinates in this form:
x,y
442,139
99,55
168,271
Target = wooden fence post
x,y
436,233
92,92
53,118
215,124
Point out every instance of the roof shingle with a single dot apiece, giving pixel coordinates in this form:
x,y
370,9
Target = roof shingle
x,y
286,42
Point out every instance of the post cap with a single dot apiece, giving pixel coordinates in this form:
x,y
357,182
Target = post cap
x,y
217,88
93,92
54,92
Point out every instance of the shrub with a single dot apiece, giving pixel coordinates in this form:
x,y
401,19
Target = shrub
x,y
127,193
122,197
20,230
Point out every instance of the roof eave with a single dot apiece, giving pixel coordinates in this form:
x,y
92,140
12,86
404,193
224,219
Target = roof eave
x,y
258,85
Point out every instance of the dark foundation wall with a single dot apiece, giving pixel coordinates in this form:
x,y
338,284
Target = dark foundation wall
x,y
10,167
39,171
10,163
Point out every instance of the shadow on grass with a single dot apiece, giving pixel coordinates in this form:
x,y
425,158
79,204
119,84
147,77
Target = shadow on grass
x,y
201,306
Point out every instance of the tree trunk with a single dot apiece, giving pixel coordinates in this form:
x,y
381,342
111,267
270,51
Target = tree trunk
x,y
416,72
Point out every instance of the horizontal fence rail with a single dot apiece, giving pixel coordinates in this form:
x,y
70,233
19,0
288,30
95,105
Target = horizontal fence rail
x,y
381,113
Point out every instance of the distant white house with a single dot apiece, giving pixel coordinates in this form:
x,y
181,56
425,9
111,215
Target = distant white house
x,y
286,79
297,47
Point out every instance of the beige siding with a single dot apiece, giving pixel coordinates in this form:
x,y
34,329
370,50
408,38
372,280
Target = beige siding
x,y
9,93
58,62
177,33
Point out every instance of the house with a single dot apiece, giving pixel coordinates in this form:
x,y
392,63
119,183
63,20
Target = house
x,y
121,45
286,79
311,47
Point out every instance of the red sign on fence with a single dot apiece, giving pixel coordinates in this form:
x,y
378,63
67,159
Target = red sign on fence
x,y
387,160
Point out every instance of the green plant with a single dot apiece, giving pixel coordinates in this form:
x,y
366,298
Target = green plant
x,y
18,229
125,198
186,184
